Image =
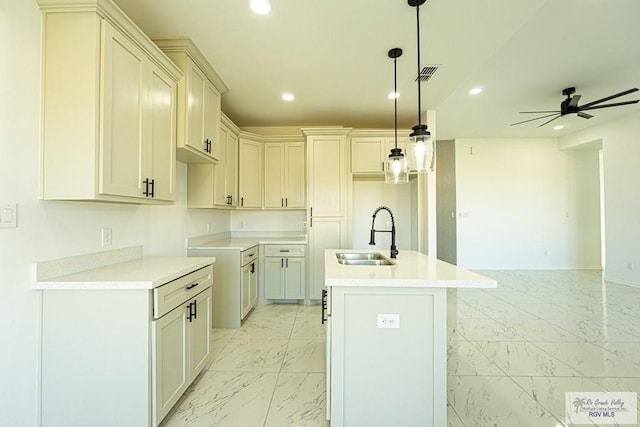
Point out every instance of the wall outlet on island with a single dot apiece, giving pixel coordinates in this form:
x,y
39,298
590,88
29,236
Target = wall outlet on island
x,y
388,321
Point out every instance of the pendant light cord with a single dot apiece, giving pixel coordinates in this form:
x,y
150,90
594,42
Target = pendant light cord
x,y
395,100
419,79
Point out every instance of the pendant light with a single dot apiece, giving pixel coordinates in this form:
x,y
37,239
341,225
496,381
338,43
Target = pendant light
x,y
396,170
420,146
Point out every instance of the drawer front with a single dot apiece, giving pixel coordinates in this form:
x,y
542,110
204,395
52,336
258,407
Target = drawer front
x,y
169,296
285,250
249,255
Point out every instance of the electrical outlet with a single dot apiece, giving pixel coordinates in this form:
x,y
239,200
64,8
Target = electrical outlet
x,y
208,227
107,237
8,215
304,225
388,321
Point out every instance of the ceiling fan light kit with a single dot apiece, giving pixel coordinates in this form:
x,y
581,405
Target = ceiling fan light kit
x,y
396,170
570,106
420,146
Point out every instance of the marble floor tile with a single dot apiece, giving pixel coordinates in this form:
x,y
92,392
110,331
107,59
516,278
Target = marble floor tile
x,y
550,391
630,351
593,330
483,330
539,330
453,420
484,401
225,399
505,311
305,356
261,327
549,311
299,399
250,354
591,360
623,322
310,310
276,310
308,327
524,359
462,310
219,338
463,358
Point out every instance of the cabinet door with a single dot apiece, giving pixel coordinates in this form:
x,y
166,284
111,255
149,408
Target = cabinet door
x,y
220,173
200,333
231,165
250,174
196,84
273,176
253,287
161,110
245,290
367,154
294,279
326,175
324,233
274,278
212,118
170,364
122,106
294,183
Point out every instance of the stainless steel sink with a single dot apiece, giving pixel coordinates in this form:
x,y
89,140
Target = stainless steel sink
x,y
363,258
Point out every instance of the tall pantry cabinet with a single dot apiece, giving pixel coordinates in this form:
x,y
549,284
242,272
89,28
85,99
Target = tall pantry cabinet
x,y
327,195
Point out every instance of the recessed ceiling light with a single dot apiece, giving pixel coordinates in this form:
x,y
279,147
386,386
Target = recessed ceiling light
x,y
393,95
260,7
558,127
475,91
287,97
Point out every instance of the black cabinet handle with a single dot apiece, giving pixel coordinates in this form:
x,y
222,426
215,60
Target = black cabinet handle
x,y
146,187
190,315
153,187
241,201
284,250
195,309
324,305
193,285
229,199
287,263
286,202
253,268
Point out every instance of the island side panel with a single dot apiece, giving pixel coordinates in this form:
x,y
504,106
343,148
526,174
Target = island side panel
x,y
388,376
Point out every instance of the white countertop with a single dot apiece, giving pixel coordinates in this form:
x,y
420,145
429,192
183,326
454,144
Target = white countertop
x,y
140,273
244,243
412,269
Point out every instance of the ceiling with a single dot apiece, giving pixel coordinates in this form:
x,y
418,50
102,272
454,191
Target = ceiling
x,y
332,55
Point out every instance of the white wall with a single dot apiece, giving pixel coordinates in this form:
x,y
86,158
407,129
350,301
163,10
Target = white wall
x,y
47,229
621,153
248,221
367,196
523,203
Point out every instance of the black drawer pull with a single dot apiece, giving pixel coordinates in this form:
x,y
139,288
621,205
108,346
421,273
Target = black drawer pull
x,y
285,250
193,285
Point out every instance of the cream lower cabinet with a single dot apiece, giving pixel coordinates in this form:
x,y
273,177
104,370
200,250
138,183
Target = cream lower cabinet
x,y
121,356
249,287
284,272
108,127
284,175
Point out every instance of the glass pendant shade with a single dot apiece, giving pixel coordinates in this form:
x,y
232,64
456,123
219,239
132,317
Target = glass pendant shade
x,y
421,150
396,170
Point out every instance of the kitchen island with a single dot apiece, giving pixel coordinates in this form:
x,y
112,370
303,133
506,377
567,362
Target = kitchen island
x,y
387,338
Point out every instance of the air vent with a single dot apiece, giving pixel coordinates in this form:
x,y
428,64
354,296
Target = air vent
x,y
426,72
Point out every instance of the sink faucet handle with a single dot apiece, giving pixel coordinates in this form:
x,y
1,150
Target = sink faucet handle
x,y
372,241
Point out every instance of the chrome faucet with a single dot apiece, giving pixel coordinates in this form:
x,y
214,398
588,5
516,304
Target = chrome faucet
x,y
394,250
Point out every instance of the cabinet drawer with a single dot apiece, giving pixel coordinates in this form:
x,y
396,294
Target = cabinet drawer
x,y
249,255
169,296
285,250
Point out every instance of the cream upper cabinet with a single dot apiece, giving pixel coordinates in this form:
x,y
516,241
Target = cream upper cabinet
x,y
199,98
327,170
369,153
108,127
284,177
250,173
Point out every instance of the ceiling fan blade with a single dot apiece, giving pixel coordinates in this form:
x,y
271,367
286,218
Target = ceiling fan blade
x,y
537,118
538,112
574,100
584,115
615,104
626,92
549,121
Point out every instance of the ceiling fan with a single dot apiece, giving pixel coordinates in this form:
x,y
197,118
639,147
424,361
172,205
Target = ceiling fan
x,y
570,106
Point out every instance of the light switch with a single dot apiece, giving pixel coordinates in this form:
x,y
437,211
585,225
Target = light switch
x,y
8,215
